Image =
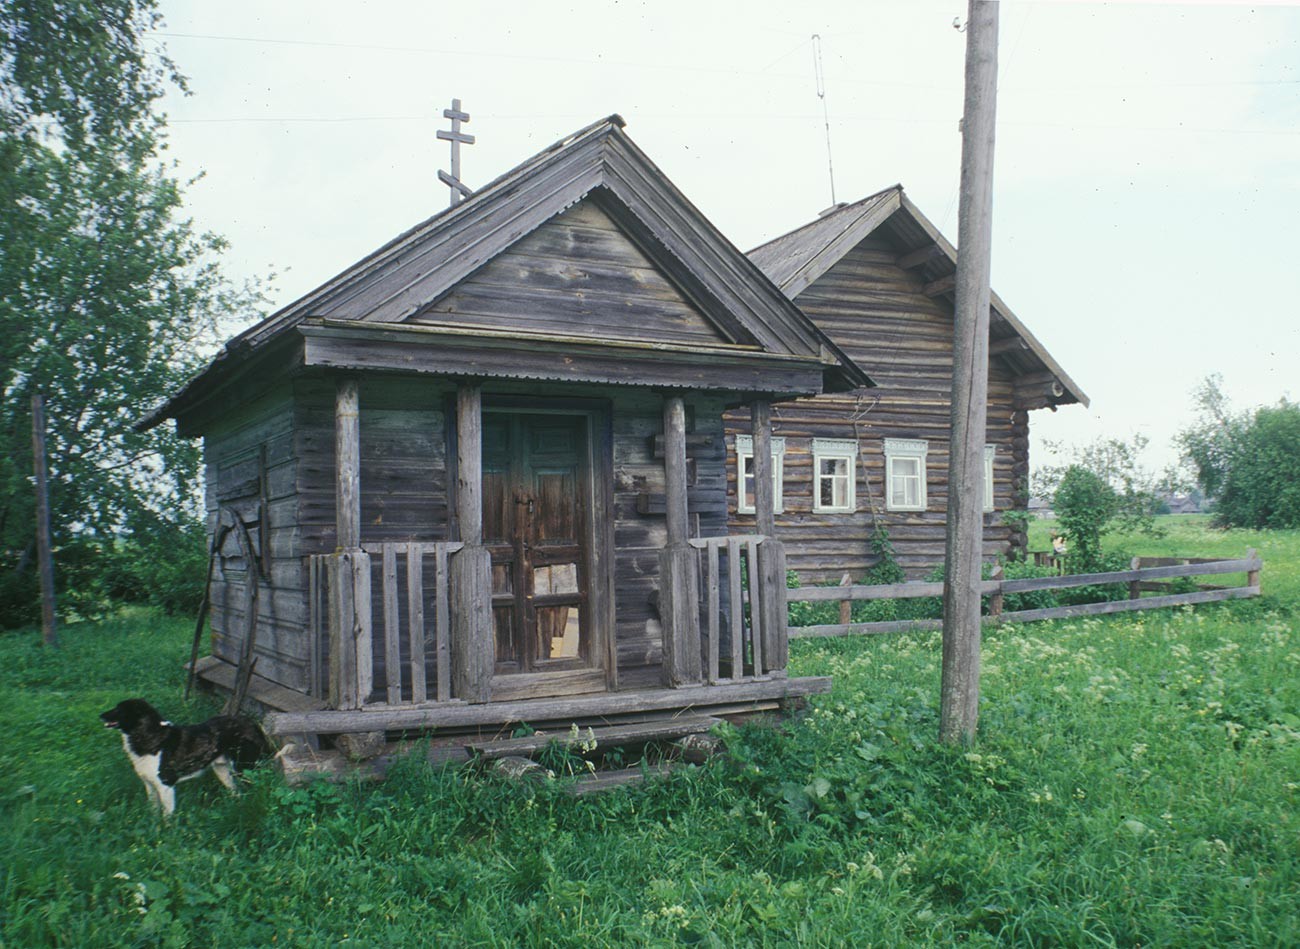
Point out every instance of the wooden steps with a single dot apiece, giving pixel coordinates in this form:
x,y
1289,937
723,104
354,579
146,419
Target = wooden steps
x,y
303,764
622,777
612,736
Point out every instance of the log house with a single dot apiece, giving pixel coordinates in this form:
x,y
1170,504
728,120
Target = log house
x,y
878,278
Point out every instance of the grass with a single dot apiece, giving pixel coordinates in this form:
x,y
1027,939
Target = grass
x,y
1135,783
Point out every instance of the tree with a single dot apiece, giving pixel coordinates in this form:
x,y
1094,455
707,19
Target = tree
x,y
108,296
1084,503
1119,464
1246,461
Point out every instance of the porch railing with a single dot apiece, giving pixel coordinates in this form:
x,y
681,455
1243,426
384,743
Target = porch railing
x,y
744,625
342,605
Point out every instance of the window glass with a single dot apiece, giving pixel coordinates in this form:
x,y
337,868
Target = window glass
x,y
834,461
905,460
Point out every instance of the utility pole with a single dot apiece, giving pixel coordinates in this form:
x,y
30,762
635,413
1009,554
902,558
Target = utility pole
x,y
960,691
44,553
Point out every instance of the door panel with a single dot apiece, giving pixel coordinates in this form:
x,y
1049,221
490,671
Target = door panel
x,y
535,525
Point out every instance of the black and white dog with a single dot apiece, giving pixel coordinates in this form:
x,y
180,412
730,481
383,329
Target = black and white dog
x,y
164,754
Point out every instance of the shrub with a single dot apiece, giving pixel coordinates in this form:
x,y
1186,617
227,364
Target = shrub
x,y
1031,599
1084,503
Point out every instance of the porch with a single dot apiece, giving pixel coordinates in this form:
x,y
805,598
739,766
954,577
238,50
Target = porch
x,y
409,636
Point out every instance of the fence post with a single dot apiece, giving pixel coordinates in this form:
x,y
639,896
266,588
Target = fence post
x,y
846,606
995,598
1134,586
1252,576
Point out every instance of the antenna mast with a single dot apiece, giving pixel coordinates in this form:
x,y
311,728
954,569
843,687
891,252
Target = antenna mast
x,y
820,78
457,138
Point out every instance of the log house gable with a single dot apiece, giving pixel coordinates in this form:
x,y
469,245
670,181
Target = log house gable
x,y
797,260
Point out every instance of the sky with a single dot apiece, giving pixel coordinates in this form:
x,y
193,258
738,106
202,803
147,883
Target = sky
x,y
1147,168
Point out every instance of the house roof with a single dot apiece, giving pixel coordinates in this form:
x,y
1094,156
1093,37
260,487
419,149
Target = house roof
x,y
797,259
417,267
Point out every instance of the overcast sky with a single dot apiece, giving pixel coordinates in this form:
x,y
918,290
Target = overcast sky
x,y
1147,173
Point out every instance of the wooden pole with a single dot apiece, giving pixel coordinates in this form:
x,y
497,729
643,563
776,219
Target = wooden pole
x,y
959,700
473,651
44,547
774,614
347,454
679,601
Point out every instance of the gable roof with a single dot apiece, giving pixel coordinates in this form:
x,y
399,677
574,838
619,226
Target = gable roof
x,y
419,266
795,260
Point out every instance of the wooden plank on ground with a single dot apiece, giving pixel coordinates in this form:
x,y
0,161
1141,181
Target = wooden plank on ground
x,y
610,736
608,780
220,673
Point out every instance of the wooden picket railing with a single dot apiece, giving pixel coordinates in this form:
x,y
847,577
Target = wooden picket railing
x,y
731,596
350,682
1142,577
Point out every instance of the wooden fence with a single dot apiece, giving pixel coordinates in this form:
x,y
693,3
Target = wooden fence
x,y
1146,574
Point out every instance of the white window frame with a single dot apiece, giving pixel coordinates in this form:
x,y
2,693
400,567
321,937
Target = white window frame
x,y
989,451
845,449
906,448
744,452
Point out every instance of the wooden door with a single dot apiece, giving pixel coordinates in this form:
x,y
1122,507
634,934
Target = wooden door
x,y
536,475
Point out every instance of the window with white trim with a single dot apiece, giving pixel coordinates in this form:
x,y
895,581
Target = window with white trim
x,y
835,475
745,474
905,474
988,477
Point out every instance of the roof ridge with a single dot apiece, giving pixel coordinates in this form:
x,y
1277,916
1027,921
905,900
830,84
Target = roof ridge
x,y
822,218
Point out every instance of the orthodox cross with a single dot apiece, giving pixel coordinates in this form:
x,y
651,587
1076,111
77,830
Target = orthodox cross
x,y
457,138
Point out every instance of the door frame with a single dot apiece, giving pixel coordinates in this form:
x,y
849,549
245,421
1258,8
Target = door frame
x,y
596,490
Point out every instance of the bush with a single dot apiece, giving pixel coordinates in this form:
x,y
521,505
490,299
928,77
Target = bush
x,y
1032,599
1084,503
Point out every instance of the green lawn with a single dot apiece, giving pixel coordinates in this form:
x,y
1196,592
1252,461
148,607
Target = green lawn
x,y
1135,782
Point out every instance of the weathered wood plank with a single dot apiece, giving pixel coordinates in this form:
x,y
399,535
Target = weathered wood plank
x,y
735,601
757,621
392,626
700,698
1029,616
609,736
713,606
442,621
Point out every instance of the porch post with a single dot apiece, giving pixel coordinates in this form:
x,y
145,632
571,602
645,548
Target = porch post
x,y
679,599
473,652
771,552
351,670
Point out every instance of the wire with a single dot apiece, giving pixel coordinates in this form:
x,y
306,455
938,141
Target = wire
x,y
821,94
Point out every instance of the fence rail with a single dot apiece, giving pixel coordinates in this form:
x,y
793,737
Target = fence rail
x,y
1139,578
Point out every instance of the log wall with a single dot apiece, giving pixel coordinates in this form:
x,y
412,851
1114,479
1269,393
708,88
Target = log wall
x,y
251,471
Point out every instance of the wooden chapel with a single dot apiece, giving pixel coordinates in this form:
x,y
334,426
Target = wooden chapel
x,y
481,474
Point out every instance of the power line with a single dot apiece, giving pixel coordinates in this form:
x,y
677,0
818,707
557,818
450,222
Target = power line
x,y
680,67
